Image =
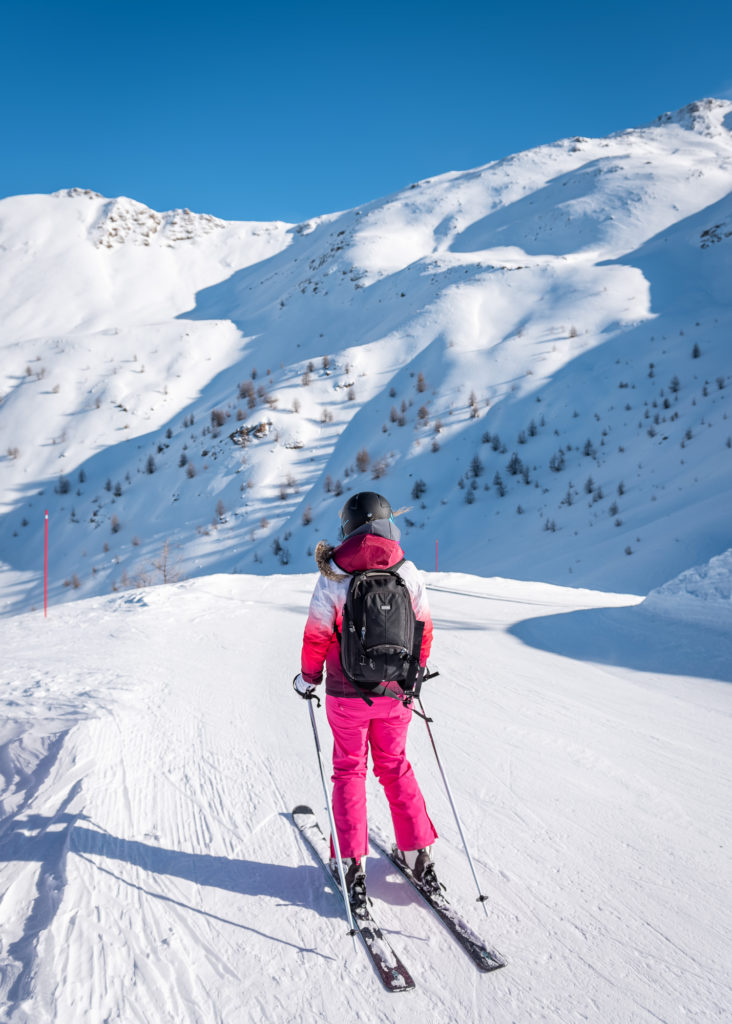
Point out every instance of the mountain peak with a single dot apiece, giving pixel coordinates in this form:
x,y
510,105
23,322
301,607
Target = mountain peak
x,y
76,193
124,220
707,116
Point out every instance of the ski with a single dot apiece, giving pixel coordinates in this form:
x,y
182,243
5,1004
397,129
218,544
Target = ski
x,y
485,959
392,972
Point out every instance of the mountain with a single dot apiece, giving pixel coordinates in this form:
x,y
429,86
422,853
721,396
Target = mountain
x,y
533,357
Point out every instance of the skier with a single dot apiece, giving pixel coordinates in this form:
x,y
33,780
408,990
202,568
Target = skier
x,y
378,719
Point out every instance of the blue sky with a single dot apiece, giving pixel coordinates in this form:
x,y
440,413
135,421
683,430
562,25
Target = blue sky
x,y
295,110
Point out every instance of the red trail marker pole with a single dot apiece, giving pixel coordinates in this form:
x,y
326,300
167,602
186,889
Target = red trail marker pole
x,y
45,571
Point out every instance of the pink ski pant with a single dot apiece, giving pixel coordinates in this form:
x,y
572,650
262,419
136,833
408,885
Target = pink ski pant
x,y
383,728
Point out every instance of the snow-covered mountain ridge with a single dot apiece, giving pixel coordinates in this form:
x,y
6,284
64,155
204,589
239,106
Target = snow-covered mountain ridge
x,y
533,355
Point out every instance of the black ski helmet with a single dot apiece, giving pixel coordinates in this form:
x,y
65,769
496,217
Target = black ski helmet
x,y
362,508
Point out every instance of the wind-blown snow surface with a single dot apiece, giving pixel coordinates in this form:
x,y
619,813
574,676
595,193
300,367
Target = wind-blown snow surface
x,y
701,594
152,746
534,355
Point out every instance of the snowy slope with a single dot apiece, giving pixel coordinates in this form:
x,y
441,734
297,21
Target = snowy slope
x,y
151,748
533,355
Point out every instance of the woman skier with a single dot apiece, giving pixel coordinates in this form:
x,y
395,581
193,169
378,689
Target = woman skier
x,y
377,719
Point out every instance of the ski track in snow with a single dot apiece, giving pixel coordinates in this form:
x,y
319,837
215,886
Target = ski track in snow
x,y
151,750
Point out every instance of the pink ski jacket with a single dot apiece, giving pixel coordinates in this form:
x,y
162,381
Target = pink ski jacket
x,y
363,549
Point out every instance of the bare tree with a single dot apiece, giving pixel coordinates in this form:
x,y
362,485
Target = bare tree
x,y
169,571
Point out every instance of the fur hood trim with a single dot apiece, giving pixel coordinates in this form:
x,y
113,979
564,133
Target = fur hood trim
x,y
323,554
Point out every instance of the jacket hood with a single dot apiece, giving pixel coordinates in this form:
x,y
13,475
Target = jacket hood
x,y
372,546
367,551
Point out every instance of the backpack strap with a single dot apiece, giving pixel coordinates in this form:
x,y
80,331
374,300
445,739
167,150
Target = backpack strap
x,y
349,574
414,675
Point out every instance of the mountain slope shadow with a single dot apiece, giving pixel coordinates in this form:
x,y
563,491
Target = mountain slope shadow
x,y
632,638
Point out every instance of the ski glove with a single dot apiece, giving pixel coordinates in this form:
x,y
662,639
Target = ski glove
x,y
301,687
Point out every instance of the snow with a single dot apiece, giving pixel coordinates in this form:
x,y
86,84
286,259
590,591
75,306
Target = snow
x,y
191,400
701,594
152,748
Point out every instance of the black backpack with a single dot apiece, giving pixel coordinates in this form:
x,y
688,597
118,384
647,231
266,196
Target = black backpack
x,y
381,638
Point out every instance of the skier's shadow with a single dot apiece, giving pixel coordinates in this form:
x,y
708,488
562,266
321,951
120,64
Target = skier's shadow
x,y
302,886
50,841
282,882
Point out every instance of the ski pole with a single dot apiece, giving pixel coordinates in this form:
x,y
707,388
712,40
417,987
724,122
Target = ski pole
x,y
334,834
481,898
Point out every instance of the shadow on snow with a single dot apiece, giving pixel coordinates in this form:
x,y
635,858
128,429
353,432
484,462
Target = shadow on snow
x,y
632,638
49,841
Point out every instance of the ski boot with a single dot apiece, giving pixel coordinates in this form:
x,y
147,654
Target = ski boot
x,y
420,866
355,874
